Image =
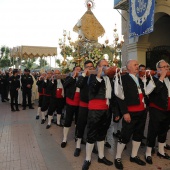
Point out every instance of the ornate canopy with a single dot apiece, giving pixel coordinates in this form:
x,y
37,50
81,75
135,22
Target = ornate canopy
x,y
33,51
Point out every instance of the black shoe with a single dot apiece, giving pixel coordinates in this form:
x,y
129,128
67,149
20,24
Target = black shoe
x,y
46,116
105,161
86,165
42,121
48,126
95,150
3,101
167,147
31,107
63,144
37,117
166,156
118,163
13,110
24,108
107,145
77,152
148,159
137,160
17,110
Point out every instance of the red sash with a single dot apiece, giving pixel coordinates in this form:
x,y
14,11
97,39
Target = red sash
x,y
75,101
159,108
59,93
98,104
139,107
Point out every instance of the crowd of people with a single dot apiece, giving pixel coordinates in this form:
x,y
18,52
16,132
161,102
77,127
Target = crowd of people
x,y
93,98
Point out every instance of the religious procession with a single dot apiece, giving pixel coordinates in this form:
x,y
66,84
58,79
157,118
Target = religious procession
x,y
96,96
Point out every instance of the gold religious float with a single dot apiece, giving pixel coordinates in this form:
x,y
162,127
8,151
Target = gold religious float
x,y
87,46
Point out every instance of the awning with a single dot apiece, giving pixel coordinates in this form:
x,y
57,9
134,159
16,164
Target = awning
x,y
25,52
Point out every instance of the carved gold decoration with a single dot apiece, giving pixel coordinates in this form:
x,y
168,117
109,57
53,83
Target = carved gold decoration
x,y
90,27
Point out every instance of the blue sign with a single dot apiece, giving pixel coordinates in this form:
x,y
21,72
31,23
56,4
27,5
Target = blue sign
x,y
141,17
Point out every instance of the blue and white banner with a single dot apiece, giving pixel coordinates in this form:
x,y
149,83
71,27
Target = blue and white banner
x,y
141,17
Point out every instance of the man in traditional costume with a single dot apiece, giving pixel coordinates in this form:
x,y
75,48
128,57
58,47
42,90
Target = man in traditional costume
x,y
134,114
47,95
99,116
83,105
159,112
72,102
57,100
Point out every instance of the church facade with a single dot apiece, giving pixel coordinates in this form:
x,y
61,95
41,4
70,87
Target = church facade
x,y
149,48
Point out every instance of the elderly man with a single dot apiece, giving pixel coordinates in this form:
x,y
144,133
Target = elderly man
x,y
134,114
159,111
99,117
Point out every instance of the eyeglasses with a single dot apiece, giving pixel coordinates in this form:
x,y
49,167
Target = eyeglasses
x,y
164,67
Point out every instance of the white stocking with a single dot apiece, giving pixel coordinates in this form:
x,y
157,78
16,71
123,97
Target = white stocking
x,y
135,148
89,148
100,146
65,133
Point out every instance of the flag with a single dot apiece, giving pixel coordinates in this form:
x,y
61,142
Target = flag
x,y
141,17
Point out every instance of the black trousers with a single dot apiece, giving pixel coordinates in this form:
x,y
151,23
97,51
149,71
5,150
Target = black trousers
x,y
26,93
70,112
98,123
81,121
158,126
40,100
56,104
6,91
135,127
2,93
14,97
45,103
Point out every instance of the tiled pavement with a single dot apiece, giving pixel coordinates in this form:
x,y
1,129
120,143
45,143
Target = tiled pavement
x,y
25,144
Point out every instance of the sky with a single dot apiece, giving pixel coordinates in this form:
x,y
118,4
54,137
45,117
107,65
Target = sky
x,y
41,22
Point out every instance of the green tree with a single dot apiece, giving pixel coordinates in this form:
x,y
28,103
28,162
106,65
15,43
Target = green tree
x,y
5,60
28,63
42,62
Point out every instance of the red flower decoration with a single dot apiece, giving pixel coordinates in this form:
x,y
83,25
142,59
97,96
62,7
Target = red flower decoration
x,y
89,5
